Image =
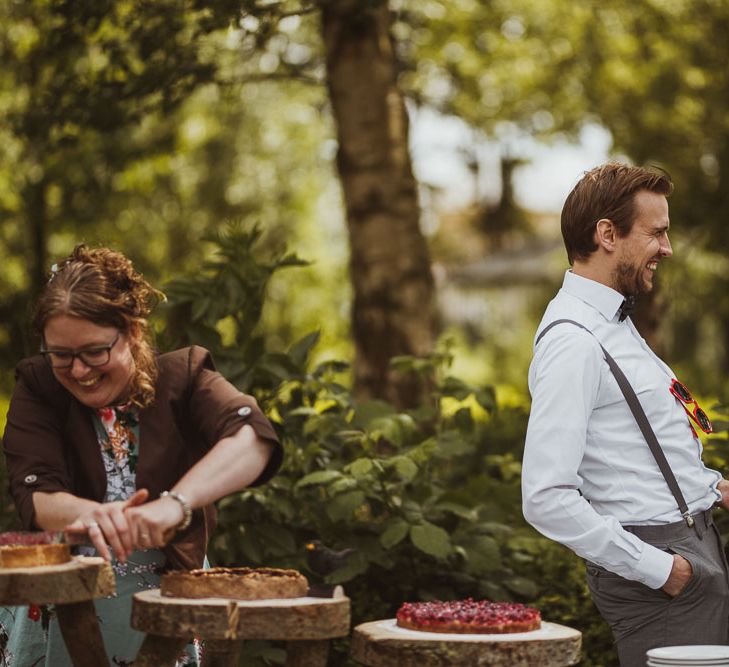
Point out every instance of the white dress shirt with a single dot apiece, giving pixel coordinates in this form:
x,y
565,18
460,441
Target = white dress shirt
x,y
582,437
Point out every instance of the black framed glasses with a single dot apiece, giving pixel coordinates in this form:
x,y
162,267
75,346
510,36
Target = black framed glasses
x,y
680,391
90,356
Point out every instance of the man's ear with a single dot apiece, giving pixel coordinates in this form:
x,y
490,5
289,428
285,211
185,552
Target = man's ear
x,y
606,234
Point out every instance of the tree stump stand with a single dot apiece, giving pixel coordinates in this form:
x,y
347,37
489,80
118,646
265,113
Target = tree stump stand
x,y
306,624
71,587
384,644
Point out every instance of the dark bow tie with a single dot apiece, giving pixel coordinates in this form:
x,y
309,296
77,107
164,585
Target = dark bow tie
x,y
626,308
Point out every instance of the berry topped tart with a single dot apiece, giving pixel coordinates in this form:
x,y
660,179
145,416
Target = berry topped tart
x,y
235,583
31,550
468,617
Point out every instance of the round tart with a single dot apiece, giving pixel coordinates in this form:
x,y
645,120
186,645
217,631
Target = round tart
x,y
235,583
468,617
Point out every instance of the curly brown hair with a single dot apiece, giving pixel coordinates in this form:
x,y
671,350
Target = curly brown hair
x,y
101,285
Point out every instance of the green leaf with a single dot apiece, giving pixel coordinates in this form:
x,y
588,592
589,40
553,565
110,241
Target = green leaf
x,y
342,506
456,388
483,554
370,410
393,428
463,419
469,513
302,411
198,308
410,364
360,468
491,590
355,565
413,511
486,397
431,539
250,547
318,477
500,530
522,586
405,467
332,366
342,485
452,443
278,540
395,532
299,351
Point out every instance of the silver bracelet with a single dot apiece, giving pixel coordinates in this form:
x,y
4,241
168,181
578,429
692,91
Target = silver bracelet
x,y
186,509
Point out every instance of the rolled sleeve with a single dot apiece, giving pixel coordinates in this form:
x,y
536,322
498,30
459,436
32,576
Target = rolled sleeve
x,y
220,410
33,446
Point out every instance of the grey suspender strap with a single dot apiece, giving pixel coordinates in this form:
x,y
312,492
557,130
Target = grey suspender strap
x,y
640,418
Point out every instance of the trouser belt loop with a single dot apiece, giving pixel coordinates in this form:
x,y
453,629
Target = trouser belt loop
x,y
700,522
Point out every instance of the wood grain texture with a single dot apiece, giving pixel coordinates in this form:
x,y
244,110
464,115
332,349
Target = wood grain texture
x,y
212,618
81,579
375,645
81,633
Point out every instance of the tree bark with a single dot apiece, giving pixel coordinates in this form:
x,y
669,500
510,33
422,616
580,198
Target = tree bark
x,y
37,219
393,307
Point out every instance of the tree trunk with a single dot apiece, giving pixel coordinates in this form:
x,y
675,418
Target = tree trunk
x,y
393,309
35,204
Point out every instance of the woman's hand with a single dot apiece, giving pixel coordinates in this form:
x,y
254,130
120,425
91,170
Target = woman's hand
x,y
153,524
107,525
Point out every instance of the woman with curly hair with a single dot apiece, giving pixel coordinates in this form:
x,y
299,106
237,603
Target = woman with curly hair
x,y
105,435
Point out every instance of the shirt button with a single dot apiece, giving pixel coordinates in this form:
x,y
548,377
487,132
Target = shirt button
x,y
31,479
244,411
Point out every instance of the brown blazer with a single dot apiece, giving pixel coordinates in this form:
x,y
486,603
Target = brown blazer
x,y
50,443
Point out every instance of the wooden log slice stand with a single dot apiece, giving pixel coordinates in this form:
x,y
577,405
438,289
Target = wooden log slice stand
x,y
71,587
383,644
307,624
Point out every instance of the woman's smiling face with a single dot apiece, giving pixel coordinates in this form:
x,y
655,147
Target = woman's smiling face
x,y
97,386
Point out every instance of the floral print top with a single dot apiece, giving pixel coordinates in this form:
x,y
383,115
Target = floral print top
x,y
117,430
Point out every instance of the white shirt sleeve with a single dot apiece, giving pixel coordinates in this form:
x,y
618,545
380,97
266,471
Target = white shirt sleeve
x,y
564,381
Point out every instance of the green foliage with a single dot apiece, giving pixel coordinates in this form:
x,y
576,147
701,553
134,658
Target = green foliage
x,y
8,516
220,306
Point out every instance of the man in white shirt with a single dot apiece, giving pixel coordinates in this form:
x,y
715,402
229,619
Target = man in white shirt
x,y
590,480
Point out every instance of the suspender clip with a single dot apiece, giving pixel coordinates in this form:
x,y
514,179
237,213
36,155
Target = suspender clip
x,y
689,518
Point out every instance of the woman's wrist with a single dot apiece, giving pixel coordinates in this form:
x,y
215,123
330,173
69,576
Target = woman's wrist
x,y
184,504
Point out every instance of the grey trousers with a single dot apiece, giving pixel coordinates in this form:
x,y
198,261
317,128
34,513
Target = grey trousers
x,y
643,618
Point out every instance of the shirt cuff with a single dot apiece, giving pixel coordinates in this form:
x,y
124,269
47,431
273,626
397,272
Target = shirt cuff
x,y
654,567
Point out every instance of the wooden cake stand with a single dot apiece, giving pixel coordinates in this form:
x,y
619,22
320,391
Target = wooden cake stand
x,y
307,624
71,587
384,644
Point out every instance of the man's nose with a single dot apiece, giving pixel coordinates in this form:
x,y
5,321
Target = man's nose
x,y
666,249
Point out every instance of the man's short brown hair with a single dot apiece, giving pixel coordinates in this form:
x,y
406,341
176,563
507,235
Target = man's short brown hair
x,y
606,192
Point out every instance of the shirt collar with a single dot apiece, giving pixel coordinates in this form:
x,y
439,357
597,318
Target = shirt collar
x,y
602,298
